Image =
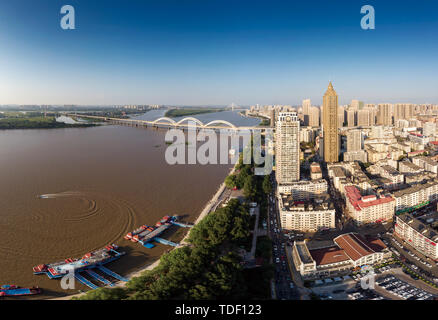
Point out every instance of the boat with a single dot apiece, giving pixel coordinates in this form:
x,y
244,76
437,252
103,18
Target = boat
x,y
149,232
89,260
135,232
15,291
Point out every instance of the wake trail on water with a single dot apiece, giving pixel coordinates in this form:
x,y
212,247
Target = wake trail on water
x,y
59,195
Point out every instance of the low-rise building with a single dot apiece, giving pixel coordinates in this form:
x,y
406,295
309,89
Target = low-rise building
x,y
368,208
409,167
392,174
426,163
306,216
315,171
415,196
304,189
417,234
360,155
347,252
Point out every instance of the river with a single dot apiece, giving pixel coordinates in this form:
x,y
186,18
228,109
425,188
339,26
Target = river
x,y
104,182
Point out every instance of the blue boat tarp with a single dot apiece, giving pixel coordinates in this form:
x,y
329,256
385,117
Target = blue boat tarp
x,y
16,292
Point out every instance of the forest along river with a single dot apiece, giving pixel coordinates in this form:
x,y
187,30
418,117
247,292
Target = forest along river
x,y
104,182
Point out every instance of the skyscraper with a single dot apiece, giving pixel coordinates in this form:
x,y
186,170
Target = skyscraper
x,y
330,125
287,153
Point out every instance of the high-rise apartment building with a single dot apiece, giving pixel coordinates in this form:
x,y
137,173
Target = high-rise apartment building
x,y
351,116
307,104
403,111
363,118
287,153
330,125
384,115
314,117
354,140
341,116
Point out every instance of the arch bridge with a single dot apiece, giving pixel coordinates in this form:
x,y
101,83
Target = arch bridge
x,y
185,123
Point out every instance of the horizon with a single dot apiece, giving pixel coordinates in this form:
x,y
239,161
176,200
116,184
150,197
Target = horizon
x,y
212,53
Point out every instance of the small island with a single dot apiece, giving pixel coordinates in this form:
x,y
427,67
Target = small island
x,y
174,113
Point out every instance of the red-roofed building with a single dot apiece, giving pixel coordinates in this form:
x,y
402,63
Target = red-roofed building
x,y
349,251
361,251
369,208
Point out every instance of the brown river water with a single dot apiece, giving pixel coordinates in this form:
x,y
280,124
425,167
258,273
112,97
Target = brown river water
x,y
103,182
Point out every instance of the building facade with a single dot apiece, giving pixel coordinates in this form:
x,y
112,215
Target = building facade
x,y
330,125
287,150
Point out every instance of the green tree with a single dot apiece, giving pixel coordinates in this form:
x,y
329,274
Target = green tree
x,y
231,181
267,186
250,188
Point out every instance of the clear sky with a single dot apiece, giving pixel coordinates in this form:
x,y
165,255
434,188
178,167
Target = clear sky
x,y
211,52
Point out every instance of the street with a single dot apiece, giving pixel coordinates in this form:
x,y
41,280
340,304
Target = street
x,y
285,288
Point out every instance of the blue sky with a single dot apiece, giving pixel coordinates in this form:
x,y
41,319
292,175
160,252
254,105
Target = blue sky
x,y
214,52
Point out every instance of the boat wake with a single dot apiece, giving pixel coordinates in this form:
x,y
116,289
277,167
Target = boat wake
x,y
59,195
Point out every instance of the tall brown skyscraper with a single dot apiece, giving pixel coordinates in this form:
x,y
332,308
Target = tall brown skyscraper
x,y
330,125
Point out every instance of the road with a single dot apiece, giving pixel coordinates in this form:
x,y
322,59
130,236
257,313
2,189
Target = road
x,y
283,278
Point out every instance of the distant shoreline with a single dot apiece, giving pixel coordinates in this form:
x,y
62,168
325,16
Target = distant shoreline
x,y
175,113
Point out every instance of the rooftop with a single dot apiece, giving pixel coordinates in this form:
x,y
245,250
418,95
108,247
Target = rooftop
x,y
356,246
420,227
359,202
328,255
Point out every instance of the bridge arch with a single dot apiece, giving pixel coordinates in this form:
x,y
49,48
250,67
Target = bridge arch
x,y
191,119
164,119
220,122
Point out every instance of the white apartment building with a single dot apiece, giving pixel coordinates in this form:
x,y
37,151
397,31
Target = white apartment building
x,y
303,190
287,148
426,163
369,208
360,155
417,195
392,174
418,235
429,129
354,140
408,167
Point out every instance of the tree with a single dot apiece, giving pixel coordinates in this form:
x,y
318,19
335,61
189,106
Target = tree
x,y
250,188
231,181
267,186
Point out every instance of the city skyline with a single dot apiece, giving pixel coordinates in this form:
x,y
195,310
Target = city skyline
x,y
208,53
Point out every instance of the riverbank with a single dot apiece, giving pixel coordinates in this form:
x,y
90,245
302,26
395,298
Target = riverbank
x,y
38,123
209,207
